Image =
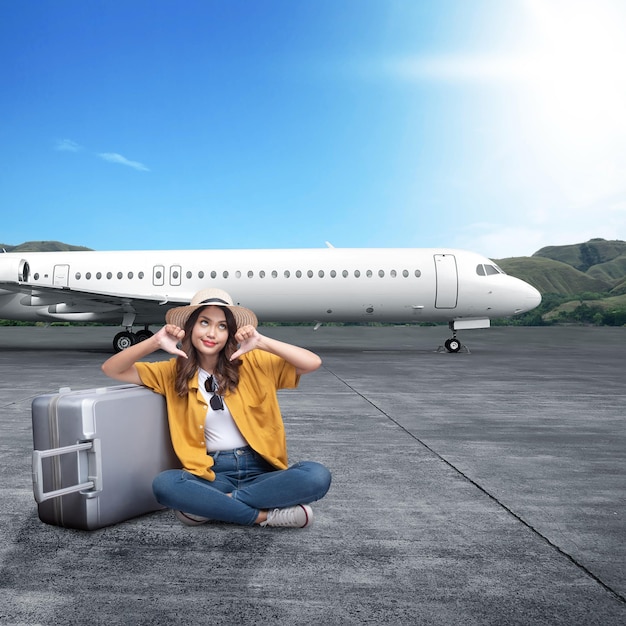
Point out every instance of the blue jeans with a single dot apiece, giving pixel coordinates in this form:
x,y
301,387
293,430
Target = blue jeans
x,y
253,483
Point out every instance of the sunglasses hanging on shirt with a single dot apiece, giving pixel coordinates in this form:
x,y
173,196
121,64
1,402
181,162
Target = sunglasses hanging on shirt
x,y
216,401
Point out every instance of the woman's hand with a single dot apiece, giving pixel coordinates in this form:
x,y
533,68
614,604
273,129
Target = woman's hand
x,y
248,339
121,366
168,339
302,359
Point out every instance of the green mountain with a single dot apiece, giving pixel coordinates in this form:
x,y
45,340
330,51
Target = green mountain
x,y
584,282
550,276
597,266
584,256
41,246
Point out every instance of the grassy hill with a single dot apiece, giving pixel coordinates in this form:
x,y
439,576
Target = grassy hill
x,y
584,256
583,283
594,311
549,276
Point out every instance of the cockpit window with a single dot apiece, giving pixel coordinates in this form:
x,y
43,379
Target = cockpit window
x,y
488,270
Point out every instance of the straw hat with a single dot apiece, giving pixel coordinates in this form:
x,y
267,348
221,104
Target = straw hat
x,y
211,297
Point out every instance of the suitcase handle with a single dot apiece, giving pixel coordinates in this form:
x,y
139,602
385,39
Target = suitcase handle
x,y
92,485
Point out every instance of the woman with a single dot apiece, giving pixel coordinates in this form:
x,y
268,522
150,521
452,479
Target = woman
x,y
224,419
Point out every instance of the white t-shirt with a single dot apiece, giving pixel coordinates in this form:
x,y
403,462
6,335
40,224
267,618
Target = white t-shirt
x,y
220,430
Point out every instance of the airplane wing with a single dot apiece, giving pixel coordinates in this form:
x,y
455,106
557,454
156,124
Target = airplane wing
x,y
93,306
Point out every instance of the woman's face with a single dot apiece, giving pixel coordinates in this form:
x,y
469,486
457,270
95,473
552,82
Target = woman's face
x,y
210,332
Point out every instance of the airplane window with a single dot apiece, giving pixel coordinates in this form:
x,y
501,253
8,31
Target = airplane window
x,y
77,275
393,273
188,275
130,275
499,269
140,275
99,275
309,274
274,274
119,275
238,274
345,273
225,274
261,274
109,275
321,273
333,273
491,270
369,273
298,274
287,274
417,273
480,270
381,273
213,274
156,275
357,273
405,273
200,275
250,274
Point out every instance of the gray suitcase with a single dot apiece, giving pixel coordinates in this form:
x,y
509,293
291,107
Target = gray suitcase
x,y
96,452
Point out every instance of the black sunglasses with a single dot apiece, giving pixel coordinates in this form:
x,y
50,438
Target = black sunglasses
x,y
216,401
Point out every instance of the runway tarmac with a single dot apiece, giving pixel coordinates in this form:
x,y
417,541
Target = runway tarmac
x,y
475,488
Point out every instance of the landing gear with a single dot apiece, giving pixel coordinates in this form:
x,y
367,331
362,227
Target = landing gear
x,y
123,340
144,334
127,338
452,345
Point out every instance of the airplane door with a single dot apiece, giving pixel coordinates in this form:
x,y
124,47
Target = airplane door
x,y
158,275
60,276
175,275
447,281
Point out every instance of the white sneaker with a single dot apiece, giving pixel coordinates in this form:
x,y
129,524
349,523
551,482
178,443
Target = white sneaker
x,y
299,516
189,519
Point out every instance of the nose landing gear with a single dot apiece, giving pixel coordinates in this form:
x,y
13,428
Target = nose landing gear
x,y
453,345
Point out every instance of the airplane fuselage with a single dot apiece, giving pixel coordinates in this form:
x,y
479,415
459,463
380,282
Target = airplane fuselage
x,y
291,285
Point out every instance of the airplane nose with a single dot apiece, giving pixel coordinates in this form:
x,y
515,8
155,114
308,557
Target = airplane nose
x,y
534,296
532,299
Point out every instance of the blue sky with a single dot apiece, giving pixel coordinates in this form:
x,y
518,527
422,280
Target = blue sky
x,y
493,126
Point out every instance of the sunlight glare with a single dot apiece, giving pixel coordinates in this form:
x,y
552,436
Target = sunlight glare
x,y
576,72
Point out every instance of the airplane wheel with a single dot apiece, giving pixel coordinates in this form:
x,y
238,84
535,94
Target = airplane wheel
x,y
123,340
142,335
452,345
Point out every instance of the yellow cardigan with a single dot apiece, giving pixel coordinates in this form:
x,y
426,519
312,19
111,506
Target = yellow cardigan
x,y
253,405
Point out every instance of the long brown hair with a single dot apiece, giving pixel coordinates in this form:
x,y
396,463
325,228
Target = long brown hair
x,y
226,372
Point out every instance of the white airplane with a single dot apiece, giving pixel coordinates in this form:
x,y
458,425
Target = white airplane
x,y
298,285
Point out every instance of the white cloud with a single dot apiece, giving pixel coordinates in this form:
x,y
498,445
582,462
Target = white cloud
x,y
67,145
113,157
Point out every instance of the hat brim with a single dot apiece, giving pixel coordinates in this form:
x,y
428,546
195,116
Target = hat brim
x,y
180,315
